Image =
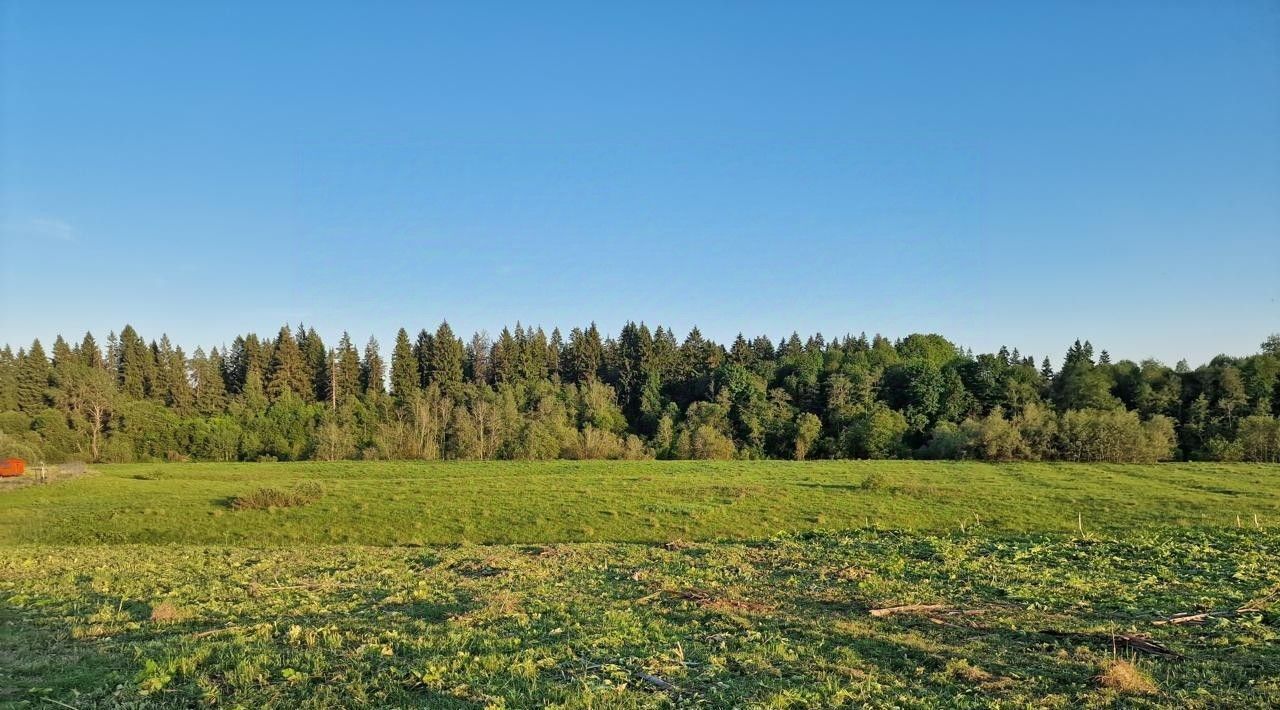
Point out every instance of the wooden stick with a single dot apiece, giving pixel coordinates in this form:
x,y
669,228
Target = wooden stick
x,y
211,632
657,682
907,609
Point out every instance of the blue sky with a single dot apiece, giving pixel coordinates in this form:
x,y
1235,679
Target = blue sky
x,y
1020,173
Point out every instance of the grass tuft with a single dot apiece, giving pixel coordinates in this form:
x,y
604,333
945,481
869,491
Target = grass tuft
x,y
266,497
1124,677
166,612
875,481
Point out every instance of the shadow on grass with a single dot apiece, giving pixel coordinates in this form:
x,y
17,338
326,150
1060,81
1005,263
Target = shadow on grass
x,y
39,658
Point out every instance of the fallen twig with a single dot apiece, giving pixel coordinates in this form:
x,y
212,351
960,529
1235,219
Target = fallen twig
x,y
912,608
211,632
656,682
906,609
1135,642
1192,617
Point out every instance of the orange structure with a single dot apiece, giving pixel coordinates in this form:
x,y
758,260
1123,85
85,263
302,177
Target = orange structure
x,y
12,467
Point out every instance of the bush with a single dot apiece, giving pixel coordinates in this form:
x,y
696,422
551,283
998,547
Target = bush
x,y
1038,427
705,442
13,447
1114,435
876,433
875,481
1259,438
994,438
948,441
265,498
1221,449
593,443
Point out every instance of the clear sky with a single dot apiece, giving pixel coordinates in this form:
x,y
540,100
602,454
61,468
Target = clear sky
x,y
1009,172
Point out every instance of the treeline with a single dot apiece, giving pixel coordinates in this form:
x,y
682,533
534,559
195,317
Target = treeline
x,y
643,394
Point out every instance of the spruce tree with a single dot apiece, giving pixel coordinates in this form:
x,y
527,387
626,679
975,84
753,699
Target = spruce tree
x,y
585,353
8,380
62,354
346,371
180,394
479,367
34,371
404,369
89,352
317,358
208,388
289,369
555,349
422,348
372,371
134,367
505,356
112,358
445,364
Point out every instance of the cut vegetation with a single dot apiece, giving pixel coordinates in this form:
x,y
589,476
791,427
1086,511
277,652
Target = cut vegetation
x,y
758,584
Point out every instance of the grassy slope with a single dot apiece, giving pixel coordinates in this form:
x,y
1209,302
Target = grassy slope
x,y
431,503
781,623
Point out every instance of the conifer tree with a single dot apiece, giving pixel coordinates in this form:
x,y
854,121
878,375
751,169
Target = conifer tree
x,y
505,358
445,365
585,354
422,348
111,361
346,371
8,380
555,348
208,388
33,379
133,370
372,370
479,367
62,355
89,352
317,358
289,369
404,369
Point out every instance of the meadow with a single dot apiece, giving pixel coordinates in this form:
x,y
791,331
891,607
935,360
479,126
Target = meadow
x,y
418,503
642,584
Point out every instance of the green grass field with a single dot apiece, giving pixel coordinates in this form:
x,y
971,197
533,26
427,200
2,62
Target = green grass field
x,y
496,502
645,584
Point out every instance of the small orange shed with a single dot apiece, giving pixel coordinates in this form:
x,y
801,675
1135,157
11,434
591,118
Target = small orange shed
x,y
12,467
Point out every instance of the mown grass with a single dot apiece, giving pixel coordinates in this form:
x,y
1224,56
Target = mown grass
x,y
401,503
640,585
782,623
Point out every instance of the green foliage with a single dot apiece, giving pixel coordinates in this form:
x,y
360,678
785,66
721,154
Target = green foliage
x,y
877,432
1259,438
1111,435
530,396
807,428
405,378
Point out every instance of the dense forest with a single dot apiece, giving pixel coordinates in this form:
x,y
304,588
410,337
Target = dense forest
x,y
642,394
